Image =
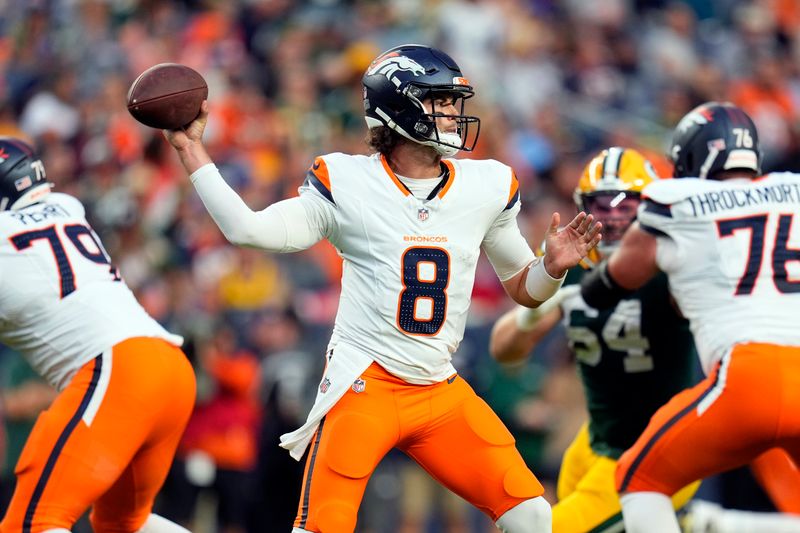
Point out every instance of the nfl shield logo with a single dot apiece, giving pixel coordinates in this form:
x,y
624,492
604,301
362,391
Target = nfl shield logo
x,y
359,385
423,214
325,385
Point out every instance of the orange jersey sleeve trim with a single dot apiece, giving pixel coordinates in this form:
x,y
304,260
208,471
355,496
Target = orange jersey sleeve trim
x,y
513,193
320,170
319,177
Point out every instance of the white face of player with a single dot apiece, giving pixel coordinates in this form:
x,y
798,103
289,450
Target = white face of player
x,y
616,210
446,126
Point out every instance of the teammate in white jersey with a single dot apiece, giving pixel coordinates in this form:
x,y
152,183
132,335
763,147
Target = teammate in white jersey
x,y
410,226
726,241
125,388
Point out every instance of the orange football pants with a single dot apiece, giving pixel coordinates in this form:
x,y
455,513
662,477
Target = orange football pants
x,y
445,427
779,476
748,405
108,439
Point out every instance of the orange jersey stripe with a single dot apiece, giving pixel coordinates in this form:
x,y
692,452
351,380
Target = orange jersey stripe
x,y
451,168
392,175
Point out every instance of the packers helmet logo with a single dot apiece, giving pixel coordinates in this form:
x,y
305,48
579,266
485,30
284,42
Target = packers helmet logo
x,y
392,63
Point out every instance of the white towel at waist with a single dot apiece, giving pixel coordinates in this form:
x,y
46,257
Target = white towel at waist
x,y
344,367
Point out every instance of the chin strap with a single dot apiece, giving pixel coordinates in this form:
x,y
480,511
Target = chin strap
x,y
453,139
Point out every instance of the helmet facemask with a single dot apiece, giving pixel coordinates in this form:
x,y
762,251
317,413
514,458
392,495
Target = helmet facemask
x,y
426,131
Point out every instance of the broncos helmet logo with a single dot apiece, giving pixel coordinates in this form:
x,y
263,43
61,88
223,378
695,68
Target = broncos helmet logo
x,y
699,117
390,64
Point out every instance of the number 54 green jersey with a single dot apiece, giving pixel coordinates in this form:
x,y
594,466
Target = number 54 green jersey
x,y
632,359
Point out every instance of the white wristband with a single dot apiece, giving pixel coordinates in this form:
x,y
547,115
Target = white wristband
x,y
539,284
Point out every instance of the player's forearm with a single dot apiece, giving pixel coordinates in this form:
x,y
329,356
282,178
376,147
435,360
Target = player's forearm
x,y
600,290
518,332
532,285
240,224
509,344
193,156
27,401
286,226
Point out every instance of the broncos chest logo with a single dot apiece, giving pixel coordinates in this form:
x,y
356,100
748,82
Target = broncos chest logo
x,y
391,63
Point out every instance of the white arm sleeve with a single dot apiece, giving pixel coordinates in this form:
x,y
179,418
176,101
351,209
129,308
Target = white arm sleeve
x,y
506,248
286,226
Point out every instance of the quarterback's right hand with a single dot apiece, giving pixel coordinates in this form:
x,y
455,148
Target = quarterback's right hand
x,y
188,141
190,134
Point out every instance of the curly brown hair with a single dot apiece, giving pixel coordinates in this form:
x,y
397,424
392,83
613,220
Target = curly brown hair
x,y
383,139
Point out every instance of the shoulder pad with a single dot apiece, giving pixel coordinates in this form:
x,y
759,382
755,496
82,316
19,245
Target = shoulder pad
x,y
671,191
780,176
492,176
68,202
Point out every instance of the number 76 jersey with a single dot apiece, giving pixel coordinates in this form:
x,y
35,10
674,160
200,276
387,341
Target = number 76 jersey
x,y
62,302
731,250
409,263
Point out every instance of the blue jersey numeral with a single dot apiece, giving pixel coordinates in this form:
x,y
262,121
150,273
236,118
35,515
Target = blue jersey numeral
x,y
781,253
422,305
66,276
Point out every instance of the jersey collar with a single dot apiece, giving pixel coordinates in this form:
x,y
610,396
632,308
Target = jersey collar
x,y
440,190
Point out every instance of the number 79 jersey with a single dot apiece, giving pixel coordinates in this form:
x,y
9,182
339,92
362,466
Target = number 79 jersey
x,y
409,263
62,302
732,254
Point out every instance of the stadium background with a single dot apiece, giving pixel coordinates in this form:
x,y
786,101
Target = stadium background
x,y
555,81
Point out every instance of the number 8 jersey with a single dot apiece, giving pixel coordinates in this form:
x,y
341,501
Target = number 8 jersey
x,y
409,263
62,302
732,254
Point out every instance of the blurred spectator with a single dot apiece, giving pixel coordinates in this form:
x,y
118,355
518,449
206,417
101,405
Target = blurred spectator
x,y
514,393
288,376
218,450
424,500
37,116
252,282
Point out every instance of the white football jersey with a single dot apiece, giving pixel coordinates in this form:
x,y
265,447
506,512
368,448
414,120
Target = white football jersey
x,y
732,254
409,263
62,302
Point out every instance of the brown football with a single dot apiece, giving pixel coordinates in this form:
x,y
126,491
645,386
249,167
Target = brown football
x,y
167,96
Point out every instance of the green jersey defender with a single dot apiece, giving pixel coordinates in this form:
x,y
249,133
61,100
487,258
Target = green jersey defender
x,y
632,359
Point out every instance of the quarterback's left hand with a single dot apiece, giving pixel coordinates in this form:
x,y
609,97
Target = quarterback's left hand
x,y
566,247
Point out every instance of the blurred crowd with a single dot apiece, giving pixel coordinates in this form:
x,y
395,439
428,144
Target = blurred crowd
x,y
556,80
